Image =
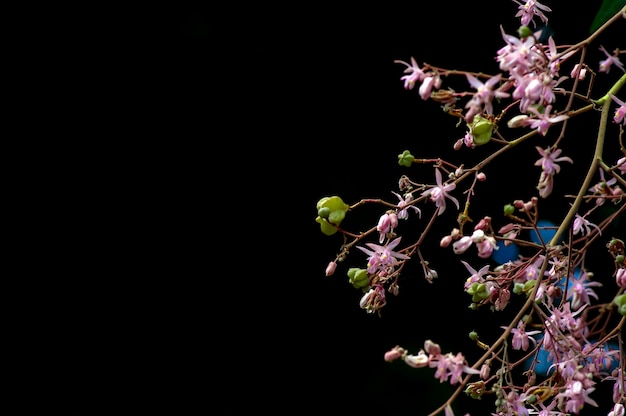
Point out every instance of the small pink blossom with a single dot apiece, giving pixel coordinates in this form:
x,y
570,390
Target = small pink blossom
x,y
549,159
543,120
439,193
620,277
530,9
521,337
404,206
621,165
414,73
620,112
605,65
583,226
485,93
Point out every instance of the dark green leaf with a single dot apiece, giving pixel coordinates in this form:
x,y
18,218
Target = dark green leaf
x,y
606,11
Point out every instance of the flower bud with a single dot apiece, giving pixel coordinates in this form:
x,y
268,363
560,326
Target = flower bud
x,y
581,74
330,269
432,348
445,241
517,121
394,354
417,361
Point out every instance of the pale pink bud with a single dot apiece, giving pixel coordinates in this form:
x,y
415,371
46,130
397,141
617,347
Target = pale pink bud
x,y
432,348
445,242
581,73
483,223
393,354
517,121
533,90
618,410
417,361
481,177
486,246
330,269
384,224
462,245
484,371
426,88
478,236
458,144
393,219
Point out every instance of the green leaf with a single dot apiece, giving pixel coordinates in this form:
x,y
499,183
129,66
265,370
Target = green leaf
x,y
606,11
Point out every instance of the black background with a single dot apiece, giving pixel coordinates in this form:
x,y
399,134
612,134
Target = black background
x,y
256,112
317,109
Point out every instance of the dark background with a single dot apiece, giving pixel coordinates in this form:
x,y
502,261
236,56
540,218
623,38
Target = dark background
x,y
320,110
245,118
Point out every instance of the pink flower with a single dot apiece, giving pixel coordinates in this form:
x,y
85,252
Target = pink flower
x,y
439,193
530,9
583,226
549,159
605,65
404,206
477,276
382,257
621,165
414,72
484,95
521,337
543,120
620,112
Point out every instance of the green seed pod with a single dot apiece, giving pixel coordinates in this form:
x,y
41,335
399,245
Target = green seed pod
x,y
331,211
620,301
324,212
359,278
509,209
405,159
524,32
481,130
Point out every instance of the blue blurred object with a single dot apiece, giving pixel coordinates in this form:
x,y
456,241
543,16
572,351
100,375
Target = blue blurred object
x,y
542,368
505,253
546,235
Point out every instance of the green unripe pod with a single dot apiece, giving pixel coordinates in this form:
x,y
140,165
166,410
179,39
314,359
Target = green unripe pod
x,y
324,212
620,301
359,278
481,130
478,291
524,32
330,212
509,209
405,159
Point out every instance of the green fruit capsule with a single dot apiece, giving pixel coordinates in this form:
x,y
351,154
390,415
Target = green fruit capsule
x,y
481,130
